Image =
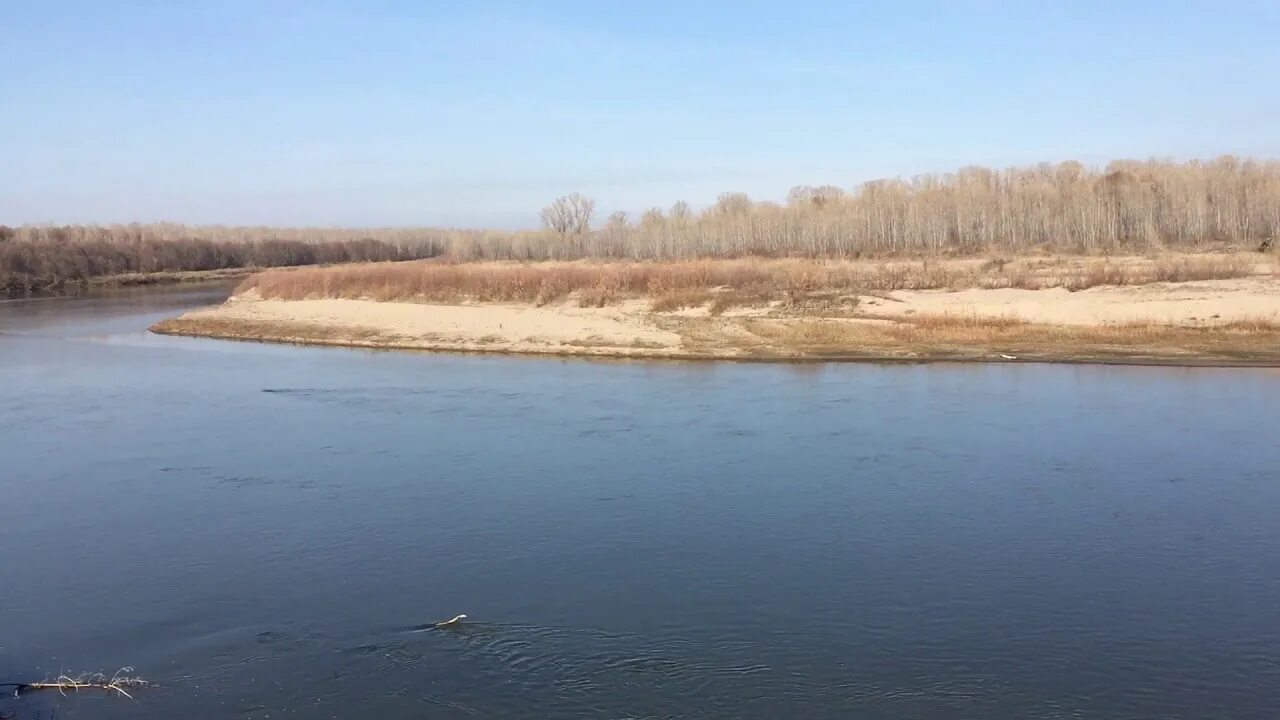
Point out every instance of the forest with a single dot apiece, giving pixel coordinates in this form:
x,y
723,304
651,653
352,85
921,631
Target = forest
x,y
35,259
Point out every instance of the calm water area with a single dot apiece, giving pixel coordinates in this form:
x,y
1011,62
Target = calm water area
x,y
270,530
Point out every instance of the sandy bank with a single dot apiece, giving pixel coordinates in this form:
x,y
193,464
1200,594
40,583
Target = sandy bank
x,y
622,329
1204,301
1234,321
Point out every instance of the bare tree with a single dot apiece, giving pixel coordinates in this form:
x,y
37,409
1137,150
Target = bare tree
x,y
732,203
819,197
617,221
652,217
680,212
569,215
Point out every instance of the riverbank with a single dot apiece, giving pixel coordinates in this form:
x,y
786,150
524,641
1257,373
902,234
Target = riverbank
x,y
762,310
170,278
106,283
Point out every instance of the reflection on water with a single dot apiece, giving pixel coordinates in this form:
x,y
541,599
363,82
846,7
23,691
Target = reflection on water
x,y
272,529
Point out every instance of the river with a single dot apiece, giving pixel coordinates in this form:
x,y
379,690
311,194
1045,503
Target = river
x,y
267,531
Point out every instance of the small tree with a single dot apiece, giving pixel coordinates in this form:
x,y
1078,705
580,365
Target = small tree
x,y
819,197
681,212
569,215
732,203
617,222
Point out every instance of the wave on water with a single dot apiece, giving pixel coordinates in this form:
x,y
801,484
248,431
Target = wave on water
x,y
495,667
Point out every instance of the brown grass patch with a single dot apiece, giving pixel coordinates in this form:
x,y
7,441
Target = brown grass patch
x,y
671,285
679,300
1185,268
947,321
598,296
1252,324
722,303
541,283
724,283
967,336
1189,268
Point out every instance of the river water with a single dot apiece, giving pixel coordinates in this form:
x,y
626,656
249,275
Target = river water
x,y
265,531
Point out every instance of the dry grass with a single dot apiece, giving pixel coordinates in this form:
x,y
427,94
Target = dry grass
x,y
681,299
724,283
983,337
1253,324
674,285
952,322
1183,268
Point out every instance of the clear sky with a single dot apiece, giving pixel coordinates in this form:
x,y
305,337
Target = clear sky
x,y
478,113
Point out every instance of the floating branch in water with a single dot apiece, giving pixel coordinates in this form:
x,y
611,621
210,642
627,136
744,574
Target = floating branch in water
x,y
121,682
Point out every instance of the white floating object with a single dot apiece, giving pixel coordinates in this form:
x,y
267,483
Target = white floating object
x,y
454,621
1008,357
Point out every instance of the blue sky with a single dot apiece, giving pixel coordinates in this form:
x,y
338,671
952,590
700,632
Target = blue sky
x,y
474,114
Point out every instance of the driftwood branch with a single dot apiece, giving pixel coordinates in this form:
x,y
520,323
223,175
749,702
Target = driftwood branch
x,y
121,682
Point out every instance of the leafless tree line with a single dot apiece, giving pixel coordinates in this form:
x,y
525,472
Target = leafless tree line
x,y
1128,206
1067,207
36,258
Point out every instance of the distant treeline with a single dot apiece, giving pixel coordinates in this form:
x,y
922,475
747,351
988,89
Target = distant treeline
x,y
57,258
1128,206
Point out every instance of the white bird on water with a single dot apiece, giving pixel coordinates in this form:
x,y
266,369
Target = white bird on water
x,y
1008,357
457,619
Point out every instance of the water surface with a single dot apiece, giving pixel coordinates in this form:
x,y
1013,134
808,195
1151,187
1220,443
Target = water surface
x,y
265,531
